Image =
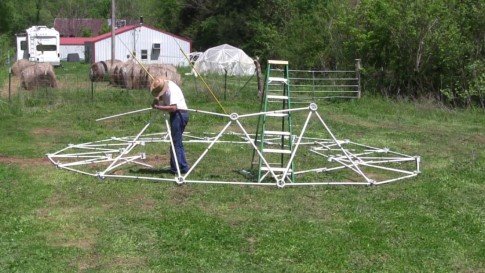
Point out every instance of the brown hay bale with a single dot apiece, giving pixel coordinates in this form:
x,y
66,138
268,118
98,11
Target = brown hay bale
x,y
166,71
143,77
97,72
138,77
168,67
110,67
115,75
114,78
126,74
38,75
20,65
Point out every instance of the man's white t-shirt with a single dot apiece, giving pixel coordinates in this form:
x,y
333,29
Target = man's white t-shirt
x,y
174,95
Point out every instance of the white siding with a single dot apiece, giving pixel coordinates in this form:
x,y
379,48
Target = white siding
x,y
68,49
143,38
22,53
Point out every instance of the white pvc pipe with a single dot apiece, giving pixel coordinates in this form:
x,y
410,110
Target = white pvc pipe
x,y
285,173
126,113
140,177
127,149
208,148
395,179
207,112
259,153
358,170
78,171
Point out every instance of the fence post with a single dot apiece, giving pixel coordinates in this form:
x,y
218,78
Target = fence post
x,y
9,77
92,91
225,84
313,85
259,76
357,73
10,84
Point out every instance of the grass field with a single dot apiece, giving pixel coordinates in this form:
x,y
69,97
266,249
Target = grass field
x,y
52,220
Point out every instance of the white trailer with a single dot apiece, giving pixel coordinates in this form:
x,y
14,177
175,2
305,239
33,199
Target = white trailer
x,y
22,52
39,44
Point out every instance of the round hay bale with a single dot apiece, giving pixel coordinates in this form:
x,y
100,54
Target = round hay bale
x,y
20,65
165,66
38,75
98,71
126,74
137,76
167,71
110,68
154,72
115,76
143,77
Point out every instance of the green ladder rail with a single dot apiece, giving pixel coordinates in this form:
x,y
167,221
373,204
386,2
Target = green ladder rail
x,y
274,130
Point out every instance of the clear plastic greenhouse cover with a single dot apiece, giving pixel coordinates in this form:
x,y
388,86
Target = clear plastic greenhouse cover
x,y
224,58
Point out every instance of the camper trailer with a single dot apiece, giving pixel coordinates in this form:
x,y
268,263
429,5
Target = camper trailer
x,y
39,44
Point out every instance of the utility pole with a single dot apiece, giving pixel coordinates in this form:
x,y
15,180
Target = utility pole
x,y
113,25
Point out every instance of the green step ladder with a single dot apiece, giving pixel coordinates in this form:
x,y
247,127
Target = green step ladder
x,y
274,130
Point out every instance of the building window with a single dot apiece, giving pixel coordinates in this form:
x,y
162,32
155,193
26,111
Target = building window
x,y
41,47
144,54
23,45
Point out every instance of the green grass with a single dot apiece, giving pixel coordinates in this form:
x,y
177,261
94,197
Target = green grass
x,y
52,220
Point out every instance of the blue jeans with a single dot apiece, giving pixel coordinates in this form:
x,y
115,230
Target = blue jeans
x,y
178,121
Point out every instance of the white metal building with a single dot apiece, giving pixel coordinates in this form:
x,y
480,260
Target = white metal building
x,y
73,45
149,45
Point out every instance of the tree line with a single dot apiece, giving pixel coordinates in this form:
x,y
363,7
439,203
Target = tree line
x,y
408,48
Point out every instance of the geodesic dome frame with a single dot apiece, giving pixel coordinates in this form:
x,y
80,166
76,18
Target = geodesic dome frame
x,y
105,158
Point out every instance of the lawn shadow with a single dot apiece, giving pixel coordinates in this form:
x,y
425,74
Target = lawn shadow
x,y
151,171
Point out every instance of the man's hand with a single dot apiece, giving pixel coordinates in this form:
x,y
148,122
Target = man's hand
x,y
155,103
168,108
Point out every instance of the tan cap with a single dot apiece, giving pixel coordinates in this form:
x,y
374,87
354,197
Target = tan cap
x,y
158,86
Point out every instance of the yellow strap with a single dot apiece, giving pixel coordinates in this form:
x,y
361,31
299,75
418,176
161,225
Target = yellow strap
x,y
188,60
136,59
202,78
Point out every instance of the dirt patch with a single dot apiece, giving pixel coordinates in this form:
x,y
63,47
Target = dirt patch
x,y
119,172
70,230
87,262
14,87
45,132
251,244
179,195
143,202
478,138
82,238
157,160
44,214
127,262
24,162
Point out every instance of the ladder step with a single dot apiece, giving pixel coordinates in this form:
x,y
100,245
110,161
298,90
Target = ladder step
x,y
279,115
278,62
277,133
275,169
277,79
277,151
277,97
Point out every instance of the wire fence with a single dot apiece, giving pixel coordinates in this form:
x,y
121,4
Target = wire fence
x,y
311,85
305,85
67,83
225,87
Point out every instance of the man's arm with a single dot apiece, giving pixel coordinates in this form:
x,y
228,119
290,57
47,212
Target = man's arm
x,y
167,108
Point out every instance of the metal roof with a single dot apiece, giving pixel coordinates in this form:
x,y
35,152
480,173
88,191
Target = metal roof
x,y
75,40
